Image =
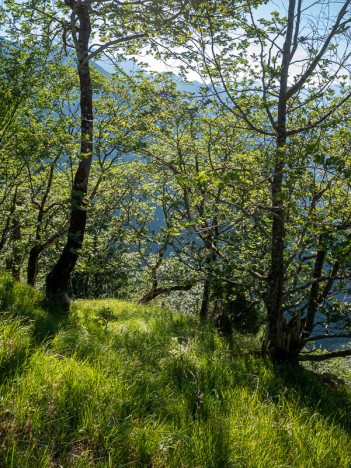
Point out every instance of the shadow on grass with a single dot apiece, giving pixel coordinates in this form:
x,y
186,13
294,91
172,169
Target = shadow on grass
x,y
28,334
334,404
46,326
24,328
13,364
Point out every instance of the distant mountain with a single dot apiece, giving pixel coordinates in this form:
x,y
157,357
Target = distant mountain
x,y
130,67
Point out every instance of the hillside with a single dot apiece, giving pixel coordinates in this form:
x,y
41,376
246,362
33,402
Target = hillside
x,y
122,385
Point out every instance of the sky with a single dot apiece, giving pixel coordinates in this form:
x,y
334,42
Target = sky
x,y
325,10
312,9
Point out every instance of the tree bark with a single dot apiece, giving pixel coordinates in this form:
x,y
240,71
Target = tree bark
x,y
57,281
39,246
32,268
276,336
155,291
314,292
6,229
205,299
16,253
34,254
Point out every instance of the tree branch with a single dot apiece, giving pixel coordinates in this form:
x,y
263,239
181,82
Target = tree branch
x,y
114,42
324,357
326,337
298,85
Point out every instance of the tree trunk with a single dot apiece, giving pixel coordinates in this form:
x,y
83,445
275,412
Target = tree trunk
x,y
314,292
278,344
208,264
32,269
292,336
57,281
16,253
205,300
274,297
36,250
6,229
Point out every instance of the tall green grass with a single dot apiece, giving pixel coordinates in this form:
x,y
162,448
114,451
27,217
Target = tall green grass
x,y
122,385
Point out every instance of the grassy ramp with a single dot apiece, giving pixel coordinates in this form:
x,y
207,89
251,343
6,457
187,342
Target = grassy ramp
x,y
120,385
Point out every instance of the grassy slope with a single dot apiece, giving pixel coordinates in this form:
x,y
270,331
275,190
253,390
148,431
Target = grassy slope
x,y
123,385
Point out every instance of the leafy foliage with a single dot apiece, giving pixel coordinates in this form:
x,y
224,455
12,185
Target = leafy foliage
x,y
234,193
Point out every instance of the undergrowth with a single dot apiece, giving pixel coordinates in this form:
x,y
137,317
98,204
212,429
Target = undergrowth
x,y
119,385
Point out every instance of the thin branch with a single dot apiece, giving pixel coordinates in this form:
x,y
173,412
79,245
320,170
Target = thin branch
x,y
298,85
319,121
114,42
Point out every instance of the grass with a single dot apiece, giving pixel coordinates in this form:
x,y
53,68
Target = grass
x,y
122,385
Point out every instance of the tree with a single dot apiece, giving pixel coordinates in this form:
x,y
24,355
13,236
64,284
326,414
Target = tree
x,y
27,126
111,24
198,164
279,75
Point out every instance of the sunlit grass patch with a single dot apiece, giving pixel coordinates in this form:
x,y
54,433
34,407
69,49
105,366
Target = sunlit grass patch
x,y
122,385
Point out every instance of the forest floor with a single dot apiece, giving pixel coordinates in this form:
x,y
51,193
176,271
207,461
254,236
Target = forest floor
x,y
120,385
